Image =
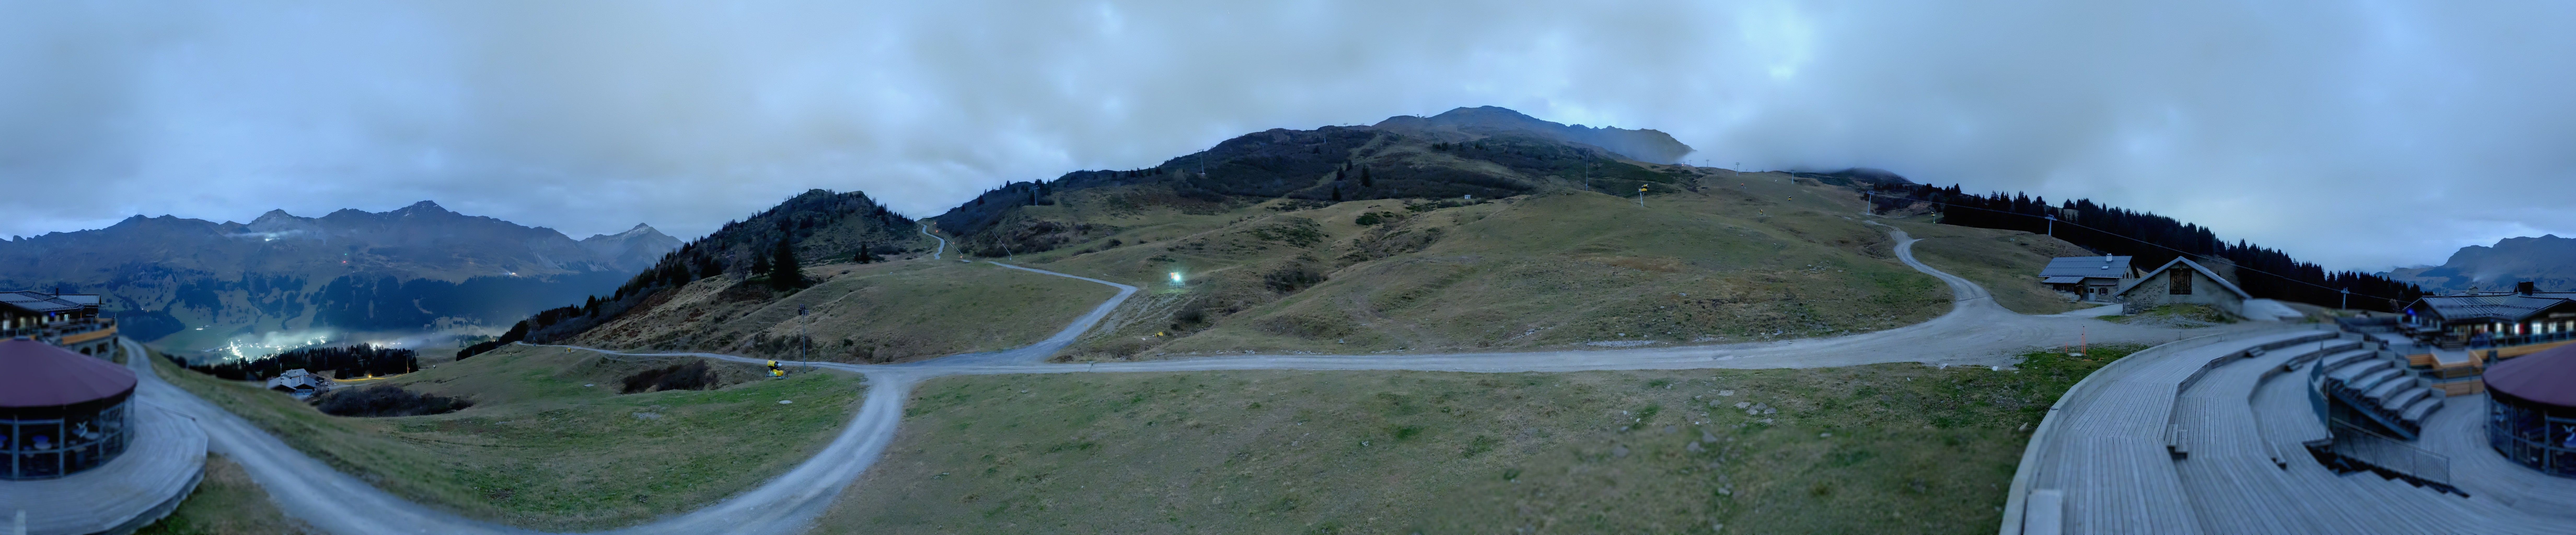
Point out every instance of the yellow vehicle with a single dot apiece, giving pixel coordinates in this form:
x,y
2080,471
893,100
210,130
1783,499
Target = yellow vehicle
x,y
774,370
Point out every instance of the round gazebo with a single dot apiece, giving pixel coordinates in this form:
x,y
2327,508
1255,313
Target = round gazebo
x,y
61,412
2531,410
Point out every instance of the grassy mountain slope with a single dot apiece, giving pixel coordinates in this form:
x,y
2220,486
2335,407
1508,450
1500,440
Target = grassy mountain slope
x,y
539,449
815,227
2006,262
1413,235
1886,448
882,312
1760,255
1329,164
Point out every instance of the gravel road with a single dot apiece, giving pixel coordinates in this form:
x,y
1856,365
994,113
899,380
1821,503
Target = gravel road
x,y
1975,331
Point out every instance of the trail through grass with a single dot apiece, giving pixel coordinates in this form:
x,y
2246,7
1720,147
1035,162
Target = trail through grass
x,y
1893,448
869,313
227,502
540,449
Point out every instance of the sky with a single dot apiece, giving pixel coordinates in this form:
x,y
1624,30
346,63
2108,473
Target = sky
x,y
2355,134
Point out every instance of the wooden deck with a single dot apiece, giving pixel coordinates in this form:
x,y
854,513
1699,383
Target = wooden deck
x,y
2107,445
160,466
2247,468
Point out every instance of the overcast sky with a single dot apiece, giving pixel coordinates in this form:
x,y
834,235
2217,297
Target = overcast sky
x,y
2360,135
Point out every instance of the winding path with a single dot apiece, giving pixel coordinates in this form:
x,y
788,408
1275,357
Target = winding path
x,y
1975,331
943,242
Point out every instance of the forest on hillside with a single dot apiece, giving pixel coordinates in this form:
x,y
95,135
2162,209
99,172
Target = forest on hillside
x,y
2153,240
817,226
339,362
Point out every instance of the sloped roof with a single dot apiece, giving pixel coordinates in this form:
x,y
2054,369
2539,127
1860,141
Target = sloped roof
x,y
2498,307
38,302
37,374
2195,266
2545,377
2061,280
2087,266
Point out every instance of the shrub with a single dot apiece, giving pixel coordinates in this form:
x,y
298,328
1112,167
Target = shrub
x,y
691,376
387,400
1292,278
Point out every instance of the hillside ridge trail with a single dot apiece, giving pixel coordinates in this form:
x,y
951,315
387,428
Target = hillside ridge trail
x,y
1975,331
943,242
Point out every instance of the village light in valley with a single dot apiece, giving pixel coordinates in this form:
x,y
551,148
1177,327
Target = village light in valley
x,y
1176,278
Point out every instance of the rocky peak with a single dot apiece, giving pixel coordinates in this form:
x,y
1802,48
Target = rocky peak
x,y
1641,145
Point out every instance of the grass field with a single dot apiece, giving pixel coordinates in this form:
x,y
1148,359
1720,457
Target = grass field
x,y
541,450
885,312
2007,263
226,503
1894,448
1748,257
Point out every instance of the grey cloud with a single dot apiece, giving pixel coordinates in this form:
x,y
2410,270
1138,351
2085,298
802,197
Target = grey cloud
x,y
2360,135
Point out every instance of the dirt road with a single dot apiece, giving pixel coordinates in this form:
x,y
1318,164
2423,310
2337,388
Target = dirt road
x,y
1975,331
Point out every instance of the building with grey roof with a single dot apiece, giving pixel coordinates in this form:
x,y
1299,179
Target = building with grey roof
x,y
68,320
2182,281
2088,278
2524,316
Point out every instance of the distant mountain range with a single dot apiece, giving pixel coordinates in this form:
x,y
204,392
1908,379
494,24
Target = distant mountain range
x,y
416,269
2549,261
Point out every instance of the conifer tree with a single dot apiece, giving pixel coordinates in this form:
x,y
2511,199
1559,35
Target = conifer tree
x,y
1364,178
784,274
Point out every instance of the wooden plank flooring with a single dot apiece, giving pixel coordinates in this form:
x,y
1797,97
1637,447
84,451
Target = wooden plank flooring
x,y
2234,487
166,457
2106,448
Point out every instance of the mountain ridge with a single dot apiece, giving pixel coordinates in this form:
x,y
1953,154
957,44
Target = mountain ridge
x,y
1483,152
419,267
2548,261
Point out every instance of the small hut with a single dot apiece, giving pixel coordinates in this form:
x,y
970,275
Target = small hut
x,y
2183,282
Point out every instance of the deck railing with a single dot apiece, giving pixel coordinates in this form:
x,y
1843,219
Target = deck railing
x,y
2391,456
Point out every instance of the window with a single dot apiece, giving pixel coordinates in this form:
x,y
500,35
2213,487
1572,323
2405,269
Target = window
x,y
2181,282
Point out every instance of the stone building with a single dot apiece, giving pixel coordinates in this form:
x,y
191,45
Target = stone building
x,y
2182,281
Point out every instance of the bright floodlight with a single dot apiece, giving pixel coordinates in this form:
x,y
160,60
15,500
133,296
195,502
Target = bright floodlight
x,y
1176,277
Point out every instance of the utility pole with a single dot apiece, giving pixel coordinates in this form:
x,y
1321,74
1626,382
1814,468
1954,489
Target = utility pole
x,y
2052,225
2347,299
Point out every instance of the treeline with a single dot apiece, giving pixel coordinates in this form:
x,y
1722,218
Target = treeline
x,y
2153,240
341,362
769,247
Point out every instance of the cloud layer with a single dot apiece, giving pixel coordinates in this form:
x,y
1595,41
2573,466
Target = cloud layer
x,y
2356,134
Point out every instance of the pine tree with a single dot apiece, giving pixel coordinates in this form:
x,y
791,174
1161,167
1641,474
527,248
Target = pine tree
x,y
784,274
1364,178
862,257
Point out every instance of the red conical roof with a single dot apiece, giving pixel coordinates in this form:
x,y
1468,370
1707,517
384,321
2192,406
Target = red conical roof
x,y
37,374
2545,377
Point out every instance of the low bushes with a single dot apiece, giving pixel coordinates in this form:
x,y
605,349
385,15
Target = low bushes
x,y
387,400
691,376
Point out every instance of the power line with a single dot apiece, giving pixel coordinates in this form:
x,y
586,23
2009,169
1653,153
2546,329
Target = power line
x,y
2150,243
